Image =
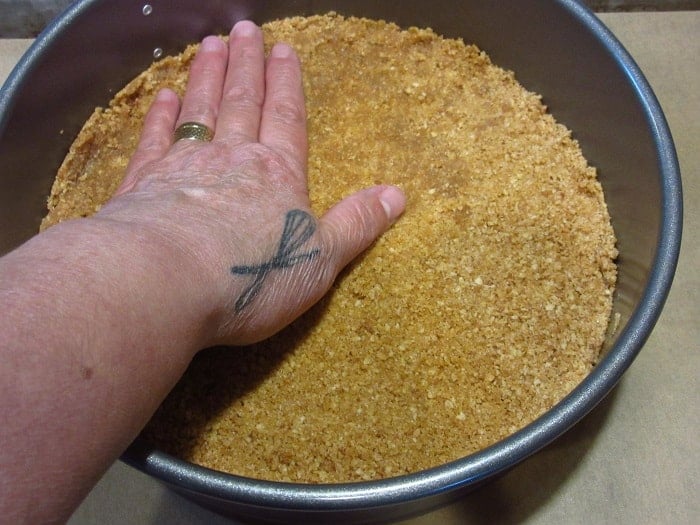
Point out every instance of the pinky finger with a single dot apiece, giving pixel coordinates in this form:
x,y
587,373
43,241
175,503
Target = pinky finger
x,y
156,136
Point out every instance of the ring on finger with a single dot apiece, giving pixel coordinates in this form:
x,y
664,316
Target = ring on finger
x,y
193,131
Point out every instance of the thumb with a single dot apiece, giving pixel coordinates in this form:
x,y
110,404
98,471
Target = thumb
x,y
354,223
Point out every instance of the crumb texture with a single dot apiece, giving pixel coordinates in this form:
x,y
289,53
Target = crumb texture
x,y
483,306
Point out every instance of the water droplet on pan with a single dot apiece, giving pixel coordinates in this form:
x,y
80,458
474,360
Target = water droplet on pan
x,y
147,9
157,53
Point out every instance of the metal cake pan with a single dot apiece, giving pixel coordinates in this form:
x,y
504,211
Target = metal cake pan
x,y
556,48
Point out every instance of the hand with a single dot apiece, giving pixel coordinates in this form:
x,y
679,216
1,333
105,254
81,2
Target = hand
x,y
235,212
204,243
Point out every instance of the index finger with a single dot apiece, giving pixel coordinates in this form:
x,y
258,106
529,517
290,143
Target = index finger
x,y
283,120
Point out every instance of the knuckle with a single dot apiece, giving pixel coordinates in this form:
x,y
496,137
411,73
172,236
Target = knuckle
x,y
276,169
288,111
198,109
244,95
152,145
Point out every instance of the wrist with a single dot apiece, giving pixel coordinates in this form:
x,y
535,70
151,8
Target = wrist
x,y
97,326
131,278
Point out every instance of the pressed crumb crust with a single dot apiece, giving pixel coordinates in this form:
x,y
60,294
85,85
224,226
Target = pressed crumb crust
x,y
482,307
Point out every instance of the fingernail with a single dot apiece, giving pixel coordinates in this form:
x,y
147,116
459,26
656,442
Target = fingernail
x,y
281,51
394,202
244,28
166,95
211,43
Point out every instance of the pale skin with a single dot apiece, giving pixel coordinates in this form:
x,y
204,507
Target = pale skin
x,y
101,316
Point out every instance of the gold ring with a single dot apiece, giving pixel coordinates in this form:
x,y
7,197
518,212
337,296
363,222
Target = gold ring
x,y
193,131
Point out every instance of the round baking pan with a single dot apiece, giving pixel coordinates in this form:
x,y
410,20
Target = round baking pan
x,y
556,48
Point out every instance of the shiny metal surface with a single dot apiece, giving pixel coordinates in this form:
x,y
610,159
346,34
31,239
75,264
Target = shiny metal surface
x,y
26,18
558,49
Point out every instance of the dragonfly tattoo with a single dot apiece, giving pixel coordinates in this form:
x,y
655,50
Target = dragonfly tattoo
x,y
299,226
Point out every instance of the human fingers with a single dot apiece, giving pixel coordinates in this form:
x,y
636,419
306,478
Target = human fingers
x,y
203,94
283,121
244,87
354,223
156,136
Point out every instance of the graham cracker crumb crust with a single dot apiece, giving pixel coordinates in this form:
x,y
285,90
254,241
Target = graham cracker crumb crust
x,y
481,308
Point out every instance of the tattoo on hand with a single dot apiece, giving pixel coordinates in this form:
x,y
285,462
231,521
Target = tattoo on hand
x,y
299,226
